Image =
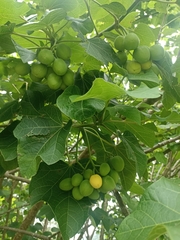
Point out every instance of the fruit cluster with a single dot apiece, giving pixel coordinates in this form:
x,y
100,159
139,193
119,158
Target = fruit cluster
x,y
93,181
51,67
142,57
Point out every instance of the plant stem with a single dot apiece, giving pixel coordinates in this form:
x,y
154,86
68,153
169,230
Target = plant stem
x,y
22,232
121,204
28,220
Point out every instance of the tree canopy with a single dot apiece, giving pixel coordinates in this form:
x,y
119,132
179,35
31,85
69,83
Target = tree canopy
x,y
89,119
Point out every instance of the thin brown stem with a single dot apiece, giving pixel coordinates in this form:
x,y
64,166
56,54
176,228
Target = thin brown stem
x,y
161,144
22,232
21,179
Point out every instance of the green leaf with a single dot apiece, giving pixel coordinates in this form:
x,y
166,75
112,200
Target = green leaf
x,y
157,231
160,157
25,54
7,29
101,50
137,189
67,5
149,78
173,117
8,143
176,66
70,214
117,69
134,152
52,17
42,136
154,209
9,110
129,112
129,19
6,44
32,102
173,231
165,66
82,26
102,90
78,110
11,11
168,99
140,131
128,174
144,92
145,39
115,8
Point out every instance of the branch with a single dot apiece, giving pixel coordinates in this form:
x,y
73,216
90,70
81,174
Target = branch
x,y
13,209
161,144
16,178
121,204
22,232
28,220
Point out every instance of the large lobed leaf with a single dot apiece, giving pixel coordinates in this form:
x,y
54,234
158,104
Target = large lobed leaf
x,y
41,137
102,90
52,17
11,11
157,213
70,214
101,50
78,110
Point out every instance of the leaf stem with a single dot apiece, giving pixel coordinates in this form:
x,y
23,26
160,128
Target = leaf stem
x,y
89,12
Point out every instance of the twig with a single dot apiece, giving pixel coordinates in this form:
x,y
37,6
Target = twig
x,y
21,179
121,204
13,209
22,232
161,144
28,220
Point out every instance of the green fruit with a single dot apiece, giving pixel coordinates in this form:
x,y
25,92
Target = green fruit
x,y
114,174
85,188
77,179
108,184
157,52
68,78
141,54
147,65
38,70
54,81
133,67
66,184
122,57
35,79
104,169
63,86
22,68
49,70
155,69
76,193
119,43
63,51
59,66
94,195
87,173
45,56
117,163
131,41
